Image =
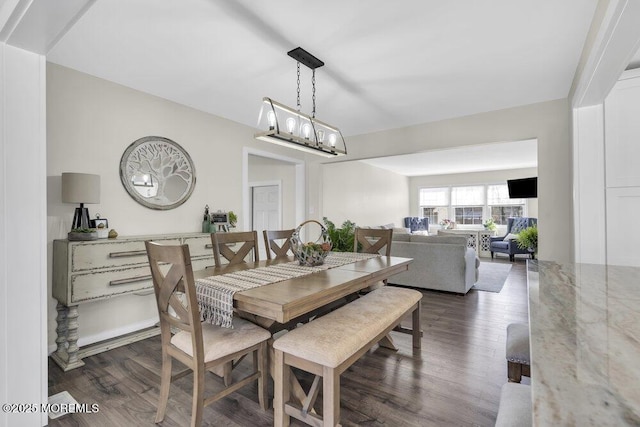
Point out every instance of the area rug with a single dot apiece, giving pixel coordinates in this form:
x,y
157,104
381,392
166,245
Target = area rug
x,y
491,276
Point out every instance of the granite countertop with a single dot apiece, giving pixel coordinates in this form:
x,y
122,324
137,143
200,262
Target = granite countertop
x,y
585,344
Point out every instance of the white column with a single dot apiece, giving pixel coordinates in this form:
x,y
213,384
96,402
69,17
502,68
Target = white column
x,y
23,257
588,185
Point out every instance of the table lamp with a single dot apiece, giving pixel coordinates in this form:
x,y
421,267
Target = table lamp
x,y
80,188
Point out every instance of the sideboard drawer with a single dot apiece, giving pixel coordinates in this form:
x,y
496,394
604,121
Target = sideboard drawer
x,y
199,246
92,286
202,263
98,255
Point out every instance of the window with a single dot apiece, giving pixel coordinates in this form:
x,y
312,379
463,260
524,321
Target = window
x,y
434,203
501,207
470,205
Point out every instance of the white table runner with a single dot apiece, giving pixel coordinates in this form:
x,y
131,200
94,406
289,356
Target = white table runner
x,y
215,293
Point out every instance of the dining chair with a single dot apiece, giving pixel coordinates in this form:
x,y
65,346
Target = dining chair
x,y
201,347
271,244
222,246
373,241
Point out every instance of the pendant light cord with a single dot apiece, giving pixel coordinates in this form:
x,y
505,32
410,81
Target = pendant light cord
x,y
313,97
298,101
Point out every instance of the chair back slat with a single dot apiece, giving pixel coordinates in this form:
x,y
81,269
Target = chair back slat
x,y
373,240
221,241
271,244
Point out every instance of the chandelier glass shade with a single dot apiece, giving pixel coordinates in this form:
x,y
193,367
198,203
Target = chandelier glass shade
x,y
290,128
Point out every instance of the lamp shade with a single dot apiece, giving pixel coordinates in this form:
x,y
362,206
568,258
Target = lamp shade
x,y
80,188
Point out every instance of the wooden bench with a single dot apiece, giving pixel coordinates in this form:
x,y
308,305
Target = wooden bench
x,y
327,346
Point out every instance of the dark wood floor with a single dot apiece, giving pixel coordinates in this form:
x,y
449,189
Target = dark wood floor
x,y
455,380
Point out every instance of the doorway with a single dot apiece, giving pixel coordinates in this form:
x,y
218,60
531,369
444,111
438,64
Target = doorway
x,y
266,208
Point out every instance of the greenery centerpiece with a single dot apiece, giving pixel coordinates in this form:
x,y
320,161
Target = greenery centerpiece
x,y
528,239
341,238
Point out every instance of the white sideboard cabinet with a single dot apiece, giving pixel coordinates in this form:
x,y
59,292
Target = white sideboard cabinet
x,y
87,271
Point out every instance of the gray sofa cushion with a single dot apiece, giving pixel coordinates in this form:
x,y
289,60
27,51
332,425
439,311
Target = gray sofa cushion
x,y
401,237
500,245
456,240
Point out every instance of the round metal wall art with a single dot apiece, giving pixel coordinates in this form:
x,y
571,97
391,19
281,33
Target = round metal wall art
x,y
157,173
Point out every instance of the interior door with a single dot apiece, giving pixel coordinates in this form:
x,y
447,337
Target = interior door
x,y
266,211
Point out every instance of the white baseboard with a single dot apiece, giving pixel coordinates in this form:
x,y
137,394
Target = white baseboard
x,y
112,333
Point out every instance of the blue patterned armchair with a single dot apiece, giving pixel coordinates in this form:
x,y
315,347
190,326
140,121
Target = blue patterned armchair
x,y
415,223
510,247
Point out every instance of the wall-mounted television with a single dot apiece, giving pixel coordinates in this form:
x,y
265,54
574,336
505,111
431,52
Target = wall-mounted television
x,y
524,188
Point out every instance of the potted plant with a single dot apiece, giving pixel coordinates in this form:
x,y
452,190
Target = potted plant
x,y
489,225
341,238
446,224
528,239
233,219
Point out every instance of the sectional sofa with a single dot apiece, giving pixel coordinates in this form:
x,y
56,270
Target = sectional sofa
x,y
442,263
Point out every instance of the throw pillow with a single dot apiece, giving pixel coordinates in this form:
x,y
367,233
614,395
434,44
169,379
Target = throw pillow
x,y
421,232
510,236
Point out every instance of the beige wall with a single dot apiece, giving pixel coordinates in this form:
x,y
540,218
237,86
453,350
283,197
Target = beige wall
x,y
364,194
489,177
90,122
547,121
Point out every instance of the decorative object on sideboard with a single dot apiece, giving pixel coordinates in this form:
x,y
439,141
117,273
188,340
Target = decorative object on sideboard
x,y
101,225
157,173
206,220
283,125
82,234
113,234
314,252
219,221
233,219
80,188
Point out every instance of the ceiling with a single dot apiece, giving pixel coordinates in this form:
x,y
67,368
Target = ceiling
x,y
475,158
388,64
635,61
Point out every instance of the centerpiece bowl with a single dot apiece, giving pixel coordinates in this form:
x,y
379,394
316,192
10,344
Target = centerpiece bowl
x,y
311,253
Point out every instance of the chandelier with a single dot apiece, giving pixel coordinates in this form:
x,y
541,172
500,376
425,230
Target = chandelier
x,y
291,128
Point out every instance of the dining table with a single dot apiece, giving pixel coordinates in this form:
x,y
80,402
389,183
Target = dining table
x,y
276,305
284,304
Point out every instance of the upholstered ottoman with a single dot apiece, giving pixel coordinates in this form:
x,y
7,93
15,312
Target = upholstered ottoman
x,y
518,354
515,406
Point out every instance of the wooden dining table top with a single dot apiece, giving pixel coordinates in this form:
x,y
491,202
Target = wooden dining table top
x,y
286,300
